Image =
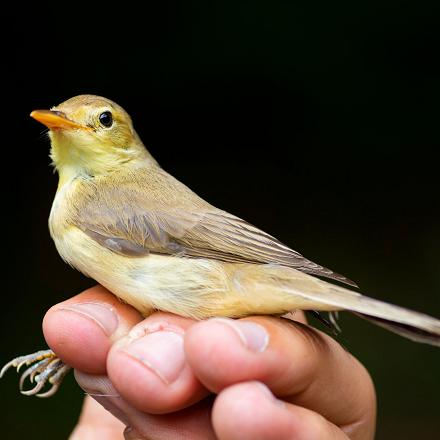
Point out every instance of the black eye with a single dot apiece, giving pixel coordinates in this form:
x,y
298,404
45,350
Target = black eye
x,y
106,119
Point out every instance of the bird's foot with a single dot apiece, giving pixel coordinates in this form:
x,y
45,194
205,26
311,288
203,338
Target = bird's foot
x,y
44,368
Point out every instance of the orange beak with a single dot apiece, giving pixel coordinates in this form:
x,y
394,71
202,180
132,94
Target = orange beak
x,y
56,120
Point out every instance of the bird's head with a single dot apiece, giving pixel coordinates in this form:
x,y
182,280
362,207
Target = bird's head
x,y
91,135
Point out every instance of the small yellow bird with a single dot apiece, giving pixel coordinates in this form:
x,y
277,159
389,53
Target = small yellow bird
x,y
120,219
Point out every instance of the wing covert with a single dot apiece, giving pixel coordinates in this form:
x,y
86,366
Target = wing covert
x,y
137,222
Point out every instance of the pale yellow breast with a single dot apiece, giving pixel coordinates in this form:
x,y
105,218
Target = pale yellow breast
x,y
178,285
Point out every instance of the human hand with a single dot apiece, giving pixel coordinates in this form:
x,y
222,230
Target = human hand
x,y
169,377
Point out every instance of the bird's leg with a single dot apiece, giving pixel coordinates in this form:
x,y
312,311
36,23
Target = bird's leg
x,y
44,368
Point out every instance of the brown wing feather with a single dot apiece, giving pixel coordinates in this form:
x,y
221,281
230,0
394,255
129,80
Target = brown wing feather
x,y
164,216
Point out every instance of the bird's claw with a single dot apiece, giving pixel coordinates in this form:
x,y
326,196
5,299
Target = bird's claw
x,y
46,369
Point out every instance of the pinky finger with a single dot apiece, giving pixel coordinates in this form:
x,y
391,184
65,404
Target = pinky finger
x,y
250,411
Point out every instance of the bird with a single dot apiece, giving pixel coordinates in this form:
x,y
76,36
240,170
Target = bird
x,y
122,220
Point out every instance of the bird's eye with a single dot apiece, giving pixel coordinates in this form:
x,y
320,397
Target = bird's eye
x,y
106,119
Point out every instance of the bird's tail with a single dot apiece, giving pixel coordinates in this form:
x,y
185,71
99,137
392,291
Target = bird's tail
x,y
309,293
426,331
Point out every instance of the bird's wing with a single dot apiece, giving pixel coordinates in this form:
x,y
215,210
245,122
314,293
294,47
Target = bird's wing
x,y
135,222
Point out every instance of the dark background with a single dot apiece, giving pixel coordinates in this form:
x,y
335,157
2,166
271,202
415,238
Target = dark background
x,y
317,121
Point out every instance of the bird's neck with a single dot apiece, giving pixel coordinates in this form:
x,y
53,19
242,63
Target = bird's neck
x,y
72,163
67,173
70,172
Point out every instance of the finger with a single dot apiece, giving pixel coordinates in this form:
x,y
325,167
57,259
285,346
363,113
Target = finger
x,y
82,329
298,363
192,423
248,411
149,367
95,422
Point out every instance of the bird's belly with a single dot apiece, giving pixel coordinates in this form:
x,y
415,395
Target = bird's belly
x,y
193,287
178,285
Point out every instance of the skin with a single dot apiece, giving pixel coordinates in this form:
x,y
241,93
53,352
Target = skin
x,y
303,385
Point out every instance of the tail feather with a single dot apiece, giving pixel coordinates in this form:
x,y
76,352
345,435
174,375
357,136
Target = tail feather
x,y
318,295
408,331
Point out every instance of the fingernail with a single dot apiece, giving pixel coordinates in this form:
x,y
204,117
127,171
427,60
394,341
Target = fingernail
x,y
264,389
253,336
161,352
131,434
100,314
268,393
